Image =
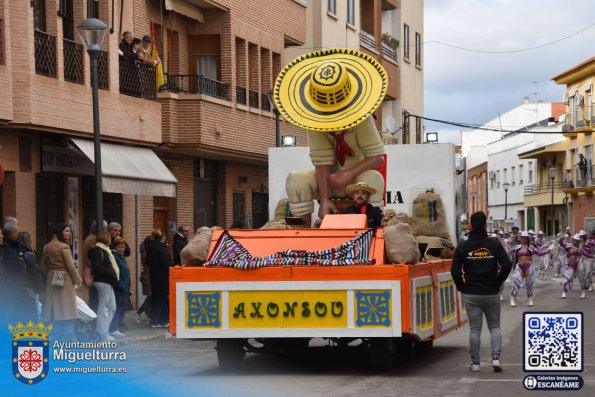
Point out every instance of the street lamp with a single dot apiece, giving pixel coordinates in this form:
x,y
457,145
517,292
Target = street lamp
x,y
92,33
473,194
505,185
552,171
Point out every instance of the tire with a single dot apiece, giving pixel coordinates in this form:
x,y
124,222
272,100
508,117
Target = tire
x,y
230,353
423,347
381,354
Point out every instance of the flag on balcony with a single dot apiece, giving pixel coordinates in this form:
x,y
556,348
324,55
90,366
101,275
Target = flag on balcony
x,y
159,80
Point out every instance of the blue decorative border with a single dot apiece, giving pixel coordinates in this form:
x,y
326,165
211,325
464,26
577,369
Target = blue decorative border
x,y
372,308
203,309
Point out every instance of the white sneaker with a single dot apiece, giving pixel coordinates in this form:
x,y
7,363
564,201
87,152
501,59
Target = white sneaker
x,y
496,366
512,301
109,338
590,289
474,367
137,318
501,298
583,294
118,334
530,301
564,295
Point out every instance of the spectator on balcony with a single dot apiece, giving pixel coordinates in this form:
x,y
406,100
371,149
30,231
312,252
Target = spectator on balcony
x,y
126,46
146,50
582,166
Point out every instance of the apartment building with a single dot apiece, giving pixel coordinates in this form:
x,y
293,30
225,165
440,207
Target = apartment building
x,y
378,28
193,152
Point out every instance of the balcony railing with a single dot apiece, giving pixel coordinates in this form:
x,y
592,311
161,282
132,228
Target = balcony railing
x,y
581,116
367,40
73,61
266,103
546,187
195,84
253,98
240,95
389,52
137,79
103,70
45,54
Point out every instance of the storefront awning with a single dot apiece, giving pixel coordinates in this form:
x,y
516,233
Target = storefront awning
x,y
130,169
185,9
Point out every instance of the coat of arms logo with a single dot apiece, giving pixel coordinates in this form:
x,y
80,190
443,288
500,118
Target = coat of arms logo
x,y
30,351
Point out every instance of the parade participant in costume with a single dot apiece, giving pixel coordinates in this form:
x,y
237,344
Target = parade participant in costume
x,y
559,257
573,257
585,266
333,94
515,237
361,193
524,269
541,258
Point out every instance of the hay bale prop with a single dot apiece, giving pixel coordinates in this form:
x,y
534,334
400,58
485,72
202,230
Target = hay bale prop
x,y
195,253
429,218
400,244
392,217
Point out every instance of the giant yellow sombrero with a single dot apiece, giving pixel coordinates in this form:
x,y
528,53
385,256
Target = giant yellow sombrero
x,y
330,90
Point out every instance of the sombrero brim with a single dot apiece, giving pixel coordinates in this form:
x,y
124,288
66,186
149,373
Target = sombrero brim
x,y
352,188
367,76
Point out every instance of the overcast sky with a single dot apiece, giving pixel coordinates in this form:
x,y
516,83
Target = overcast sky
x,y
473,87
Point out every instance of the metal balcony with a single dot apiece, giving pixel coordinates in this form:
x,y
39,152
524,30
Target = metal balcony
x,y
45,54
197,84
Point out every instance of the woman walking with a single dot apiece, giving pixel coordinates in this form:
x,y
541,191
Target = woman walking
x,y
105,275
524,270
573,258
62,282
158,261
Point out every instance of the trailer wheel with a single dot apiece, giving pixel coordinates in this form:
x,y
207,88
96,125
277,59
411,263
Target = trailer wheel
x,y
381,354
423,347
230,353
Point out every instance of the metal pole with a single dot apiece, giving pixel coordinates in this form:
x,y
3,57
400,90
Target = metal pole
x,y
277,127
552,209
505,205
93,55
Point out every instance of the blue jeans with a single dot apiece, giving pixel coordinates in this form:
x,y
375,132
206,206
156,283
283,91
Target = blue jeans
x,y
159,309
477,306
115,324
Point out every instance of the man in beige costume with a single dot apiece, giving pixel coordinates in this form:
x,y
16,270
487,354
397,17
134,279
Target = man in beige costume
x,y
333,94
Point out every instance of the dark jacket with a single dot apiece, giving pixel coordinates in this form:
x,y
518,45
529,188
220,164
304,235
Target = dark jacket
x,y
122,287
15,302
374,214
179,243
103,272
158,261
480,265
128,51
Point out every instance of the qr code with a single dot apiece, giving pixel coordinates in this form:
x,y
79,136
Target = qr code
x,y
553,341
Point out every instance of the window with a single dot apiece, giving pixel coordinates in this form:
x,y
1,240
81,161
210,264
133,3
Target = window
x,y
530,178
93,9
39,15
498,179
239,209
332,6
505,175
520,174
406,41
350,13
512,176
206,65
417,49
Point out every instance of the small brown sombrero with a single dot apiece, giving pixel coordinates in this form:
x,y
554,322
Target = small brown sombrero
x,y
359,186
330,90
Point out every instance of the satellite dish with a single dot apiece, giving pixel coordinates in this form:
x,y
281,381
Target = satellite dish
x,y
391,124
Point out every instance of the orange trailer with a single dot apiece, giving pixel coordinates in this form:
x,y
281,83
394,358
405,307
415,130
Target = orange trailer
x,y
387,306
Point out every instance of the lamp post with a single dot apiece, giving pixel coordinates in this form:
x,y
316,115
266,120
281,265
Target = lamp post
x,y
506,186
473,194
552,172
92,33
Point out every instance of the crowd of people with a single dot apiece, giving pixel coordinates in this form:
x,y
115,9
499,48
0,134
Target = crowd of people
x,y
43,286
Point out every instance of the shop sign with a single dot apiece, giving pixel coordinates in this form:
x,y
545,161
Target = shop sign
x,y
65,161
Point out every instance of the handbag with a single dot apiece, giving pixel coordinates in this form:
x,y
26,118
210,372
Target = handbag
x,y
58,278
88,277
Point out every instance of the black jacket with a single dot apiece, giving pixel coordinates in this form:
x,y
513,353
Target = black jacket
x,y
158,261
480,264
374,214
103,272
179,243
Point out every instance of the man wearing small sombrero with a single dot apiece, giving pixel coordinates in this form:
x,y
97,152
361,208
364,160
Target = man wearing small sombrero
x,y
333,94
361,192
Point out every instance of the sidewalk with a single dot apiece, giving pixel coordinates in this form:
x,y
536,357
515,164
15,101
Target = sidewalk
x,y
140,332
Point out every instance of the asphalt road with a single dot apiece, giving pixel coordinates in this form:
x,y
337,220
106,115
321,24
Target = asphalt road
x,y
190,367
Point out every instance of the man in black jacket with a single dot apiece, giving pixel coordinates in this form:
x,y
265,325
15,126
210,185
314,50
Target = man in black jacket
x,y
180,241
361,192
479,266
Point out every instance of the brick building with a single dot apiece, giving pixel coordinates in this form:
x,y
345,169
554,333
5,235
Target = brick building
x,y
210,126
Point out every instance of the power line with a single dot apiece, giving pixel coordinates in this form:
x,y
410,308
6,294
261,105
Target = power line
x,y
509,51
